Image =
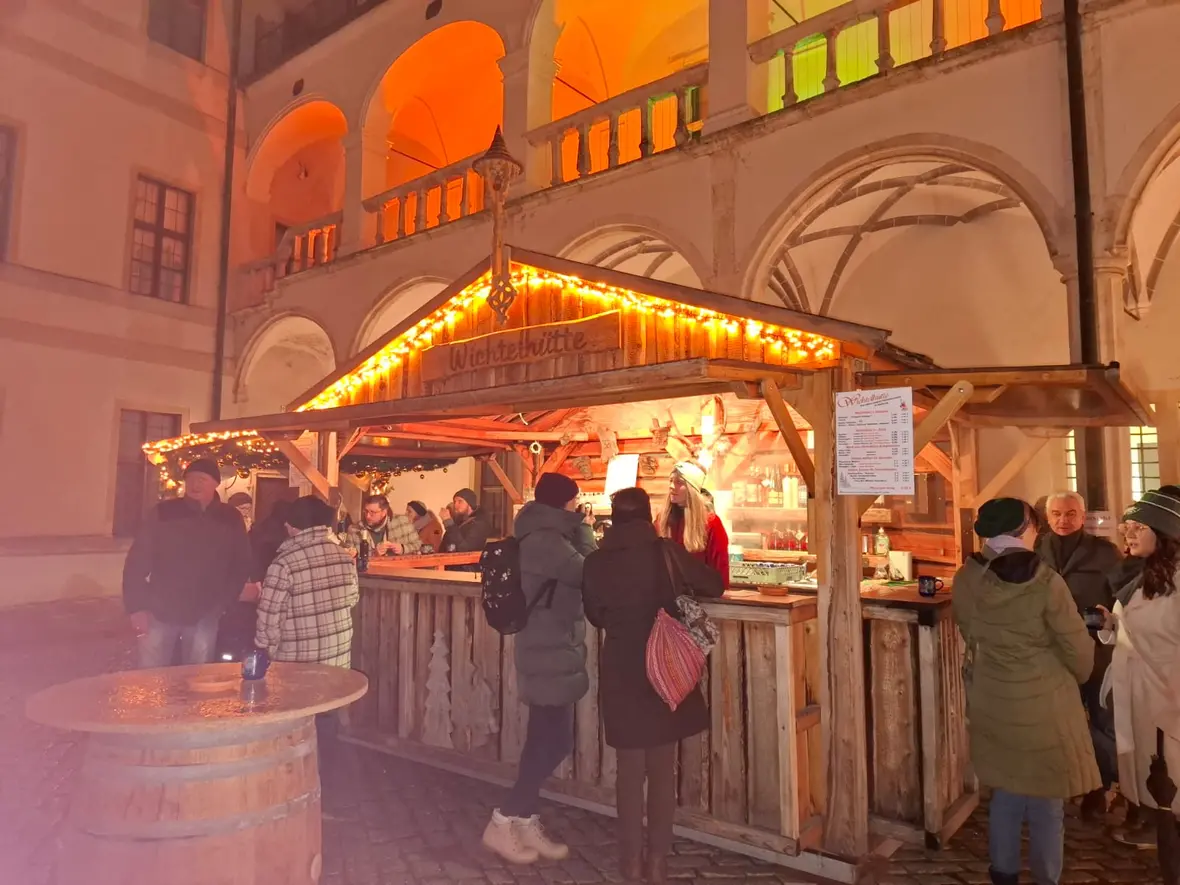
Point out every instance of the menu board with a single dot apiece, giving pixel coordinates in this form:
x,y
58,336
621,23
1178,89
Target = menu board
x,y
875,442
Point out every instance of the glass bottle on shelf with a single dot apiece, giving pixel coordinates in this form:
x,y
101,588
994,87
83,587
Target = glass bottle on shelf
x,y
881,546
775,490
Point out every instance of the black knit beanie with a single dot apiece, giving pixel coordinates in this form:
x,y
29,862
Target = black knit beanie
x,y
1159,510
418,507
1002,516
555,489
206,466
468,496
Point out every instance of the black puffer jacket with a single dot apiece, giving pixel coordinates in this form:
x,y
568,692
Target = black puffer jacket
x,y
187,562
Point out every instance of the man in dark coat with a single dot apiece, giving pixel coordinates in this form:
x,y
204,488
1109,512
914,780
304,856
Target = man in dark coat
x,y
468,527
1086,562
550,657
190,562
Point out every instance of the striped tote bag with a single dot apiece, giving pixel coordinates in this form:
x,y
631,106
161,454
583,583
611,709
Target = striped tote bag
x,y
677,646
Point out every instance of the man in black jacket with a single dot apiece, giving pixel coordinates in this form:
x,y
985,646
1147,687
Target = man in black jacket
x,y
188,564
1086,562
469,526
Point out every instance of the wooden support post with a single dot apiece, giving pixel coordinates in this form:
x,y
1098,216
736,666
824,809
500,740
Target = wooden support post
x,y
936,419
1167,422
1028,450
328,464
938,460
554,461
297,460
964,487
346,443
791,435
513,493
841,637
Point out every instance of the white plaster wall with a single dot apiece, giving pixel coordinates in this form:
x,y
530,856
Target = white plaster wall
x,y
434,488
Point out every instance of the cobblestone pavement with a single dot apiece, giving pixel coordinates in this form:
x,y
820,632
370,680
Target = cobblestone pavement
x,y
389,822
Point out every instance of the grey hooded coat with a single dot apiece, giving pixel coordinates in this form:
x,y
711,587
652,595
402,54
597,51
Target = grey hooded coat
x,y
551,649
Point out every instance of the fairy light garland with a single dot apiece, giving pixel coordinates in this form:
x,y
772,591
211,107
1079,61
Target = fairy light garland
x,y
802,346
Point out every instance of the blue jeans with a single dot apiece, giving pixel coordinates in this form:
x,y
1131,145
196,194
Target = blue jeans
x,y
1101,732
1046,835
157,647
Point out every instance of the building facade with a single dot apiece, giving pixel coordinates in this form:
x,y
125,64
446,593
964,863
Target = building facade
x,y
903,165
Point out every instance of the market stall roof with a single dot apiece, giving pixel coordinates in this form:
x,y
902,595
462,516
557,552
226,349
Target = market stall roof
x,y
1030,396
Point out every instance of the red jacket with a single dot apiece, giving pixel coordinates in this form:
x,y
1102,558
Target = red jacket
x,y
716,552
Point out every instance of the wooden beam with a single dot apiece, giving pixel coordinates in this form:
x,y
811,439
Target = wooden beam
x,y
529,461
936,419
844,735
518,433
938,460
964,487
297,460
440,437
1167,422
513,492
554,462
790,433
350,441
1028,450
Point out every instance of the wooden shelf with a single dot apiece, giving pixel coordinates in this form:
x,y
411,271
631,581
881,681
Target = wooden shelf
x,y
783,514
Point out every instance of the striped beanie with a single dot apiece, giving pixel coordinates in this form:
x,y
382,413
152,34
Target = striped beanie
x,y
1159,510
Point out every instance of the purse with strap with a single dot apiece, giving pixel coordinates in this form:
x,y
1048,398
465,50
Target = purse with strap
x,y
680,640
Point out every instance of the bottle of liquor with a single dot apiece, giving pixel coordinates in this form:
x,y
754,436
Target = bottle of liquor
x,y
775,492
362,556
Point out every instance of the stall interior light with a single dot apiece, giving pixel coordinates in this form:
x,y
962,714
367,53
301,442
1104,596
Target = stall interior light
x,y
803,346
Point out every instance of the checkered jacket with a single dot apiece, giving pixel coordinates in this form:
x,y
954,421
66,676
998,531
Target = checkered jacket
x,y
305,611
397,530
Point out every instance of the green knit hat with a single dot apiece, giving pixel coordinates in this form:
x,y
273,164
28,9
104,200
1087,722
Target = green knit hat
x,y
1159,510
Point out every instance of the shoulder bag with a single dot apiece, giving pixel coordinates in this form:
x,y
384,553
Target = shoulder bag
x,y
680,640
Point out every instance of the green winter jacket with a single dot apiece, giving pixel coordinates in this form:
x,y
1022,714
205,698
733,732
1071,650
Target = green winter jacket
x,y
1027,650
550,651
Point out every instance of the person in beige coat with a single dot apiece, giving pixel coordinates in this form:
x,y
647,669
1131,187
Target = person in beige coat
x,y
1027,651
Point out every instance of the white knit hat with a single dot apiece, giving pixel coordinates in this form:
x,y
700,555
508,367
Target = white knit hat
x,y
691,473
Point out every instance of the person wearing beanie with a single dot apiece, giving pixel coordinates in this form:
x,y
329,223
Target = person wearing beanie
x,y
189,563
1027,653
1086,562
244,504
688,519
1144,676
468,527
427,524
550,653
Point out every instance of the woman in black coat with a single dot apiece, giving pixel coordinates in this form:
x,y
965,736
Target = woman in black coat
x,y
624,584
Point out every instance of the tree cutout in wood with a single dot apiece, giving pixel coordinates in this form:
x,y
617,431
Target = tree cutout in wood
x,y
648,465
609,445
582,465
474,709
659,434
436,725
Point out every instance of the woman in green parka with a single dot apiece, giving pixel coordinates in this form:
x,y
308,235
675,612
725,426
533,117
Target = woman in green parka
x,y
1027,651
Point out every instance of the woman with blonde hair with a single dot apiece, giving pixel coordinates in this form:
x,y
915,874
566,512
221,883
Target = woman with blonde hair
x,y
688,520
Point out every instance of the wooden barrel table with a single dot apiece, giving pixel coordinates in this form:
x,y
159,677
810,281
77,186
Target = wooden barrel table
x,y
192,776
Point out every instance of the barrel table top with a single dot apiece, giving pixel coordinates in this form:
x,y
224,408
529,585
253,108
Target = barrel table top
x,y
194,698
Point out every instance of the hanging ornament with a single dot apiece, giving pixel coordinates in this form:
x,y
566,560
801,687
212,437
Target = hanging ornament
x,y
649,465
582,465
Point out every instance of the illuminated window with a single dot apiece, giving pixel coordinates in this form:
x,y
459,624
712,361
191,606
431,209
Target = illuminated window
x,y
137,482
1071,463
179,25
1145,461
7,184
161,240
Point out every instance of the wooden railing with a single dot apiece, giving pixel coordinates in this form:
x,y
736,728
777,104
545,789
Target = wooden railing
x,y
863,38
652,118
435,199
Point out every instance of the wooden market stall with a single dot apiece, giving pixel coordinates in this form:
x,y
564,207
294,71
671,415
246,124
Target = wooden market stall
x,y
838,723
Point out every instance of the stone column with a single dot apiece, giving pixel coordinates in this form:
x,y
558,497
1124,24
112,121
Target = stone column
x,y
737,87
528,103
366,154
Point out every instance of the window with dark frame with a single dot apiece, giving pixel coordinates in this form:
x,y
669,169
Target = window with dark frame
x,y
7,184
137,481
179,25
161,241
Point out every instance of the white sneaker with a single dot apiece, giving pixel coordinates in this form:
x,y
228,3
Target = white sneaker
x,y
532,836
503,837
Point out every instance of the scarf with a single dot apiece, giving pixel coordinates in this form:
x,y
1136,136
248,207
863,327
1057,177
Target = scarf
x,y
1002,544
1064,546
424,521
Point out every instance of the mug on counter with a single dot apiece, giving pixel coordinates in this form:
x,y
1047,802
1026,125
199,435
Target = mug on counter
x,y
928,585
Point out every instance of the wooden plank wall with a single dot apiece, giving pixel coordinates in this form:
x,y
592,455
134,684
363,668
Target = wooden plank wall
x,y
647,339
757,771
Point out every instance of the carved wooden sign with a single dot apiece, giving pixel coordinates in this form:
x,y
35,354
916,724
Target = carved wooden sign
x,y
514,347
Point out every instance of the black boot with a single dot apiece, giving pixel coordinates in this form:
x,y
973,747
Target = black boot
x,y
1169,846
1004,878
1094,805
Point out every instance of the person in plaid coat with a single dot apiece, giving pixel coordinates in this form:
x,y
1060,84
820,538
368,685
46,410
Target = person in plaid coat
x,y
305,610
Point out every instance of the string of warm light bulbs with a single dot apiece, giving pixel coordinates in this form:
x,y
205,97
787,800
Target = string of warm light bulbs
x,y
802,345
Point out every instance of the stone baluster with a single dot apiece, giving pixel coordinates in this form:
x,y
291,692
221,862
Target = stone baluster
x,y
323,236
832,79
558,173
583,150
380,213
683,96
647,144
464,207
443,198
937,28
995,18
304,251
884,48
420,210
612,147
403,215
789,94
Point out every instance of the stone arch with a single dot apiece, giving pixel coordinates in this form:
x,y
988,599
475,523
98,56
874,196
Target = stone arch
x,y
395,306
282,359
439,101
640,250
295,170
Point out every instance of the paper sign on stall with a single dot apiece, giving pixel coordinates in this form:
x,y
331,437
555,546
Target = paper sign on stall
x,y
875,442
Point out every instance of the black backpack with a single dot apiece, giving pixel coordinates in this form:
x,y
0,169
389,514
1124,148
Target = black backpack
x,y
502,596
